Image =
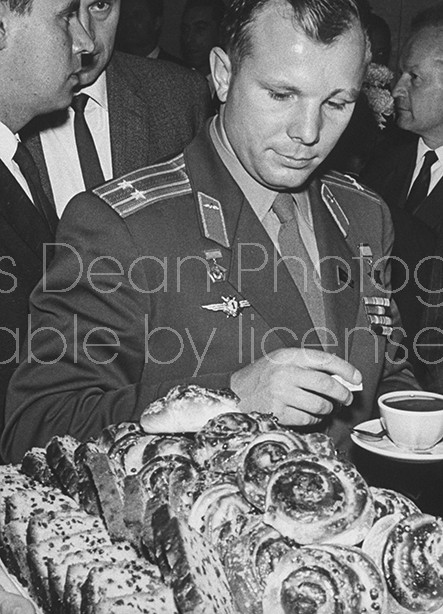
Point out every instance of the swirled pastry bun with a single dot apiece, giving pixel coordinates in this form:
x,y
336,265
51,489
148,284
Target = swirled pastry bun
x,y
223,438
250,559
186,409
216,506
309,580
259,459
313,499
409,551
325,579
388,502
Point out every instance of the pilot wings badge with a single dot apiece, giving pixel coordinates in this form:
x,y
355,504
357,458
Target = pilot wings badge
x,y
231,306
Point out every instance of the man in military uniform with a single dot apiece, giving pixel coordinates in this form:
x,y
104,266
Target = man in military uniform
x,y
236,264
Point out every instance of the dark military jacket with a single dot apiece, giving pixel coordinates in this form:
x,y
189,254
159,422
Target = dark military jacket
x,y
166,276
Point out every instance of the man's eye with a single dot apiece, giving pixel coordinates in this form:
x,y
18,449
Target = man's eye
x,y
280,96
337,106
100,6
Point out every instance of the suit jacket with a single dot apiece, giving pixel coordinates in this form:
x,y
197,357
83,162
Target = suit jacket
x,y
390,173
141,289
169,57
23,234
155,109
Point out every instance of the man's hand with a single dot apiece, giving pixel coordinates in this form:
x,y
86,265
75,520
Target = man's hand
x,y
295,385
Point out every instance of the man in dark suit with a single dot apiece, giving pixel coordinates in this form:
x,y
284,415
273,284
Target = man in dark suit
x,y
138,111
408,173
41,43
199,33
231,265
139,30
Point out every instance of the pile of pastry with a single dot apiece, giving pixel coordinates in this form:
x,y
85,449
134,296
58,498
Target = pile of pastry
x,y
241,516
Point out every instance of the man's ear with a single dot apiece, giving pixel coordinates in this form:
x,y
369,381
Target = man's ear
x,y
4,13
221,70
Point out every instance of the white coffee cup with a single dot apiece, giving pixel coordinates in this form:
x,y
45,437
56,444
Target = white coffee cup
x,y
413,419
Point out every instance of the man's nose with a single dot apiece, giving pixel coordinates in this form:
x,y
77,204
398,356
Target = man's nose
x,y
400,88
86,20
306,124
82,41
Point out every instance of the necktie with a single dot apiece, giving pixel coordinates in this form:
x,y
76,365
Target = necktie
x,y
297,259
420,188
87,153
29,171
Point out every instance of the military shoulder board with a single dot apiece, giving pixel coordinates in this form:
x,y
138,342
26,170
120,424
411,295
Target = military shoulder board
x,y
146,186
341,180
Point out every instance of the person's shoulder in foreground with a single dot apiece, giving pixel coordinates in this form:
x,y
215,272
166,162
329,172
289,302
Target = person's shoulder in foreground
x,y
41,46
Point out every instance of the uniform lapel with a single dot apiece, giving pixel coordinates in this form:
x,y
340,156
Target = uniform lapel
x,y
128,115
249,253
21,215
339,267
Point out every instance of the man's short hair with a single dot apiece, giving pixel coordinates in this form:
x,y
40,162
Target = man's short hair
x,y
19,6
429,17
321,20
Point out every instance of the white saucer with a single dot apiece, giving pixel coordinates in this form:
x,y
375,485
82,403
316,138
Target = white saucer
x,y
385,447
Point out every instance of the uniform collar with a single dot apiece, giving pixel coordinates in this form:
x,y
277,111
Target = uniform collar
x,y
259,197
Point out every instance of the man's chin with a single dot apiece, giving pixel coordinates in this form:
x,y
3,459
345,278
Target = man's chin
x,y
88,76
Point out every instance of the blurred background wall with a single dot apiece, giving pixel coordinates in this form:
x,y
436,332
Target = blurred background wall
x,y
397,13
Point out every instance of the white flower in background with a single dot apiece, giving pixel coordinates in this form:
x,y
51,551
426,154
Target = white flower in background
x,y
376,86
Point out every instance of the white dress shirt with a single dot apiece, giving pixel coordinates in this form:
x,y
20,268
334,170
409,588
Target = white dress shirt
x,y
8,147
436,168
60,150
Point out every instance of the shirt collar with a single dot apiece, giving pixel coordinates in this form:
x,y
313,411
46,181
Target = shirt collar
x,y
154,53
260,197
8,143
422,148
98,91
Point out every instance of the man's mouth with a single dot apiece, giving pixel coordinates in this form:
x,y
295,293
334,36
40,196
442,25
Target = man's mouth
x,y
297,162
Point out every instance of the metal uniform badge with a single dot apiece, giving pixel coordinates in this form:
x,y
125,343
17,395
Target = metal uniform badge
x,y
366,255
231,306
216,271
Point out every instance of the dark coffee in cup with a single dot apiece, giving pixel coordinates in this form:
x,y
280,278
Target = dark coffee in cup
x,y
415,404
412,418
